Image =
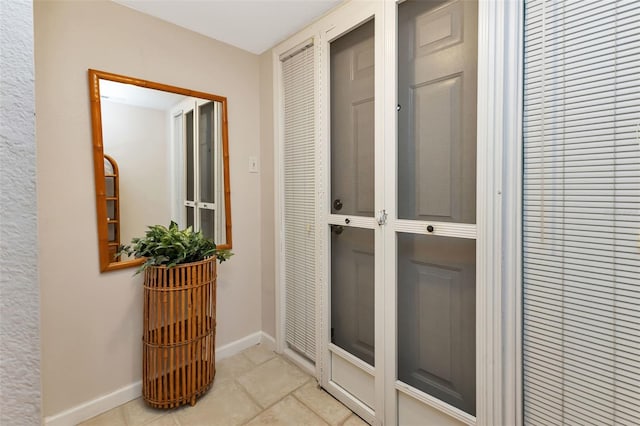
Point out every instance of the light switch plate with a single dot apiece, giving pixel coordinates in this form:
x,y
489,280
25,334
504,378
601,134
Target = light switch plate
x,y
253,164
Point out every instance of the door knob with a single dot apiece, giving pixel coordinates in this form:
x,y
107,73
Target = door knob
x,y
337,229
337,204
430,228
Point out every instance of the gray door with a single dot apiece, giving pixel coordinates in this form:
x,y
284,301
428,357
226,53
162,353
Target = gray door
x,y
437,63
352,193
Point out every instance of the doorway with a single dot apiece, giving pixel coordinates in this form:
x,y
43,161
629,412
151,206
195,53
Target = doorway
x,y
400,215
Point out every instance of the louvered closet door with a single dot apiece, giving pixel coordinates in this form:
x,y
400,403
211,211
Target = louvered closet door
x,y
581,209
299,202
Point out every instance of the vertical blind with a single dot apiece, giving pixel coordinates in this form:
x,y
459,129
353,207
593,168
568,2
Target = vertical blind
x,y
299,201
581,213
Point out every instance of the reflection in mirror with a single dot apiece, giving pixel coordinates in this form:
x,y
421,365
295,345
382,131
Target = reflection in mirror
x,y
160,154
112,199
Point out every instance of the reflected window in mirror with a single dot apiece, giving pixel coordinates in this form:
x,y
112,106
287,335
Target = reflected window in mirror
x,y
163,156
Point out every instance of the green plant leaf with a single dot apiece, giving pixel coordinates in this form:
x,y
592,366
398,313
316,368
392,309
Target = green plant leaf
x,y
172,246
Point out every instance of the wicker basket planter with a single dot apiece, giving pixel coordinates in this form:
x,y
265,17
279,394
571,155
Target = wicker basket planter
x,y
179,330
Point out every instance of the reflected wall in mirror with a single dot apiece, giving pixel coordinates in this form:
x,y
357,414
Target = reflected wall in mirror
x,y
161,153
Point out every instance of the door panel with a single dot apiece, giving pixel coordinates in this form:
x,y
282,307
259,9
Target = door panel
x,y
352,122
437,132
415,413
351,355
206,161
206,153
438,29
352,190
190,156
352,291
359,383
436,171
189,169
437,61
190,213
436,317
363,146
207,222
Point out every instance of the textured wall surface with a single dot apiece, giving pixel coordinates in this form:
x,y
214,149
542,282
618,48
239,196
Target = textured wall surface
x,y
19,290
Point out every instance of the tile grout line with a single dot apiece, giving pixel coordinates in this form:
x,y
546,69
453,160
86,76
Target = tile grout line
x,y
310,380
246,391
311,409
272,404
248,394
242,389
292,394
341,422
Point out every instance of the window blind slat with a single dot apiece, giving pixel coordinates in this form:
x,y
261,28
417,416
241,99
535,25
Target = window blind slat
x,y
581,212
299,201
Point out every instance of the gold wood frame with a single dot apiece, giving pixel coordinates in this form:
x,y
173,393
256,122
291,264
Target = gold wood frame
x,y
98,158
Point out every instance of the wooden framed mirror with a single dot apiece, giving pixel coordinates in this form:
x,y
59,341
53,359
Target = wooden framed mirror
x,y
160,153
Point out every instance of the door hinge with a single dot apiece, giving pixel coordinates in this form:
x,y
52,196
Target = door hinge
x,y
381,217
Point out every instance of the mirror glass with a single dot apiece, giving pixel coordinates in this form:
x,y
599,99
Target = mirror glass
x,y
160,154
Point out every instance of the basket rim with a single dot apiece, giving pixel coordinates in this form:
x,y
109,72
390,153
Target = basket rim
x,y
184,265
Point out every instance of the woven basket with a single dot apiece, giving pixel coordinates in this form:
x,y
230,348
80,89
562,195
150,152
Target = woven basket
x,y
178,357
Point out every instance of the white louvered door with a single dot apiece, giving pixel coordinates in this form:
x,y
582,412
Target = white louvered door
x,y
581,207
299,202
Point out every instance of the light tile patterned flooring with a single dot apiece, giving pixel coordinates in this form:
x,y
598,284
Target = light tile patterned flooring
x,y
255,387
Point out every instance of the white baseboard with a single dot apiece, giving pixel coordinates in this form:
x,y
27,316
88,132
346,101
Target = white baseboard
x,y
92,408
230,349
268,341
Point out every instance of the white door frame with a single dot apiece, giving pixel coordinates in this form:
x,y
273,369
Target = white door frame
x,y
499,194
499,254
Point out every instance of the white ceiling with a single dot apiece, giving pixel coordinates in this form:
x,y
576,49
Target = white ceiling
x,y
253,25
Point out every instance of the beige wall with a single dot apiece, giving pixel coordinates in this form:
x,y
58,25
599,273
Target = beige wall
x,y
268,194
91,322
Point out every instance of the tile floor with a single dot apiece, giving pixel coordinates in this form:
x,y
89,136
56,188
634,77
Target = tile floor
x,y
255,387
